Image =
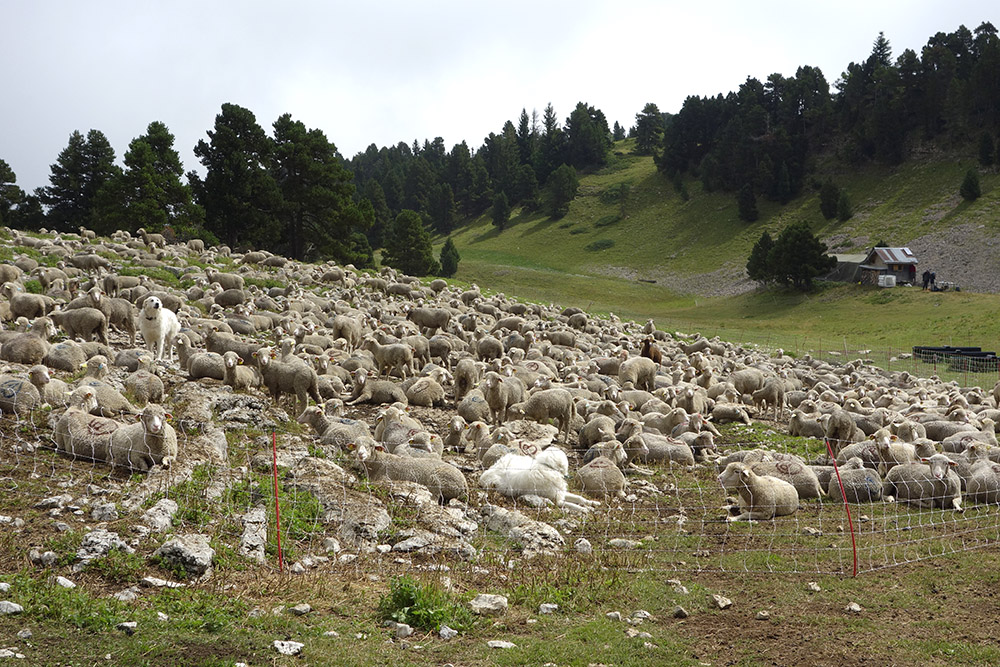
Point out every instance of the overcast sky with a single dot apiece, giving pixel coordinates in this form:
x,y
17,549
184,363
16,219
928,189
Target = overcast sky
x,y
384,72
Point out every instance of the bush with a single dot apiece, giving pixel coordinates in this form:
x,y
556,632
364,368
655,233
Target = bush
x,y
607,221
423,606
970,190
601,244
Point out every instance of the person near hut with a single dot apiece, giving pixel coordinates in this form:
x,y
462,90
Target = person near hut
x,y
926,276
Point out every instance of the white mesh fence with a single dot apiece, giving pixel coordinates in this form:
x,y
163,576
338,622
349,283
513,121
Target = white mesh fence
x,y
225,484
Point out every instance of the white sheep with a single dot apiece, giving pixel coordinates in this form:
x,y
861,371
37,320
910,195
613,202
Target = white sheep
x,y
334,429
761,497
928,484
556,403
861,484
601,477
82,435
516,475
236,375
158,326
442,479
150,441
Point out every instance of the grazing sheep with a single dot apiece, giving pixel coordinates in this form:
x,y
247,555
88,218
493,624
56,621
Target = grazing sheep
x,y
442,479
861,484
601,477
771,396
394,357
334,430
17,396
298,379
150,441
547,404
236,375
85,322
466,377
143,384
761,497
488,348
81,435
639,371
516,475
30,347
158,326
928,484
747,380
376,392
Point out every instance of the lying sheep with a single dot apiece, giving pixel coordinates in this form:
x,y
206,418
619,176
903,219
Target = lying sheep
x,y
599,428
150,441
30,347
236,375
861,484
547,404
17,396
797,474
664,449
334,430
110,401
158,326
724,413
81,435
983,486
442,479
516,475
52,391
801,425
761,497
474,407
601,477
143,384
928,484
454,439
376,392
425,392
86,323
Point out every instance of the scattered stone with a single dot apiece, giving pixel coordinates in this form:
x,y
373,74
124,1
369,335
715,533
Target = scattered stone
x,y
813,586
99,543
680,612
496,643
621,543
331,545
190,552
64,582
447,633
7,607
853,608
613,616
300,609
331,633
161,617
160,516
54,502
486,604
288,648
130,594
4,587
104,512
4,519
722,602
7,653
156,582
254,537
809,530
24,634
403,631
344,559
297,568
678,586
642,614
763,615
583,546
548,608
128,627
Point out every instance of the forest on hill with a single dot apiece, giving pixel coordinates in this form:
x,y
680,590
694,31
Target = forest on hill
x,y
290,190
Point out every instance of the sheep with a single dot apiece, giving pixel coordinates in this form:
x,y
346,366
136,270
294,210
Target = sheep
x,y
396,357
747,380
960,441
236,375
334,430
143,384
30,347
599,428
771,395
158,326
761,497
983,486
662,449
639,371
89,262
466,377
425,392
297,379
87,323
516,475
861,484
797,474
651,351
150,441
841,430
23,304
473,407
120,313
226,280
221,342
198,364
892,453
430,319
501,393
18,396
702,444
110,401
454,439
724,413
801,425
928,484
601,477
547,404
52,391
421,445
81,435
374,391
442,479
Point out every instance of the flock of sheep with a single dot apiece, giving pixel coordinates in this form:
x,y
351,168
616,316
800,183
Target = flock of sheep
x,y
536,402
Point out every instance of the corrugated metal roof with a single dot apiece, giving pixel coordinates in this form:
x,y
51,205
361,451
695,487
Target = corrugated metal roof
x,y
896,255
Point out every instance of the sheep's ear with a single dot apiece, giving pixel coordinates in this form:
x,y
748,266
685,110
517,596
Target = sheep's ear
x,y
168,416
952,463
351,446
924,459
893,438
379,448
239,360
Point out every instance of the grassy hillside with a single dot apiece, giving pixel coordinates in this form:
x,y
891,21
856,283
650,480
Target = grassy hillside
x,y
628,225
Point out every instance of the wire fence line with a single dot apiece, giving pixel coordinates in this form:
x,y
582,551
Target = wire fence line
x,y
276,500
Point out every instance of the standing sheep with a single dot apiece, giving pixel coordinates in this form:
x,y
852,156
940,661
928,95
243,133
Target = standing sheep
x,y
87,323
298,379
556,403
501,393
236,375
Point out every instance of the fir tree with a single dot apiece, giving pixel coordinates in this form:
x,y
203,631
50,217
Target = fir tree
x,y
449,258
970,190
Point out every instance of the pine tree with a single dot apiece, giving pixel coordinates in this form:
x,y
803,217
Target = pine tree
x,y
758,266
844,210
747,202
501,211
408,246
986,149
11,195
970,190
561,190
648,130
798,257
80,171
449,258
829,195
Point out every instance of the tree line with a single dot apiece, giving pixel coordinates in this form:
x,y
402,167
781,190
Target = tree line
x,y
290,191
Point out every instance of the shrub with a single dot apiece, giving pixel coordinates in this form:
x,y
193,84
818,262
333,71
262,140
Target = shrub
x,y
970,190
423,606
600,244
